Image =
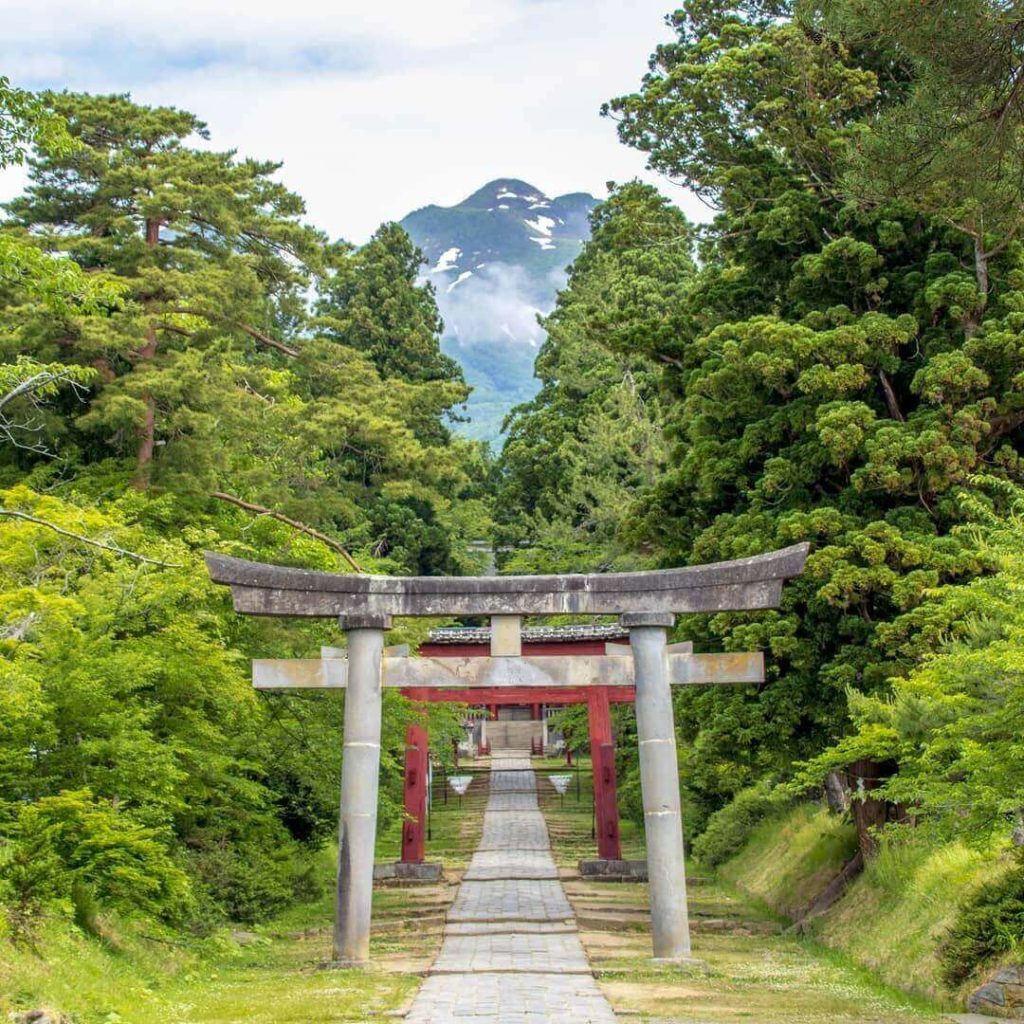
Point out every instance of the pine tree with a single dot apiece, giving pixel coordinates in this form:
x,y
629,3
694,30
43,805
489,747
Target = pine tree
x,y
210,252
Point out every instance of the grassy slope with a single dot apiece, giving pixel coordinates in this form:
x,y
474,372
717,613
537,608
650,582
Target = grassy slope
x,y
890,919
790,858
747,969
149,976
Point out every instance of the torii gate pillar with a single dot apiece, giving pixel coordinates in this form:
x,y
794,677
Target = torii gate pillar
x,y
602,759
360,771
417,770
659,784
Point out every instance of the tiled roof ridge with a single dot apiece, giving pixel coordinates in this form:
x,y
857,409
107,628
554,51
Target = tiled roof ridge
x,y
530,634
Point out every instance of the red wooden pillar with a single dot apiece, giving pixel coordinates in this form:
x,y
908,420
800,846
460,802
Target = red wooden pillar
x,y
602,755
416,775
535,712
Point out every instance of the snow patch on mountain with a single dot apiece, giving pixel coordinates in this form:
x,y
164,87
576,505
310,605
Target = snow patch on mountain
x,y
542,225
497,260
462,277
447,260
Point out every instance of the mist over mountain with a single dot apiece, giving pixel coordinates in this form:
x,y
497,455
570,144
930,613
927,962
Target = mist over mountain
x,y
497,260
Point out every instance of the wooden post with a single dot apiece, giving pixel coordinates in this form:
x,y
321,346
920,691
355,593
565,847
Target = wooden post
x,y
602,755
415,784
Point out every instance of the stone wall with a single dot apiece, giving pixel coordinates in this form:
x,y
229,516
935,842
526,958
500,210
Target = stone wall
x,y
1001,995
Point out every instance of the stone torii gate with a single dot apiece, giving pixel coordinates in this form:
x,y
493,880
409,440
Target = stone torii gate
x,y
646,602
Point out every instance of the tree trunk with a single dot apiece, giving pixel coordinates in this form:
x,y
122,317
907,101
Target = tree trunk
x,y
981,258
837,793
147,435
869,814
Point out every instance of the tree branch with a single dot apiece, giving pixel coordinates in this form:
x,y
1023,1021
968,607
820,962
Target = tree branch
x,y
253,332
293,523
890,397
88,540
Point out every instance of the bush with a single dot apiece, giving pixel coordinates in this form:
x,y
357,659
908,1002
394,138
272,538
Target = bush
x,y
79,853
728,829
989,923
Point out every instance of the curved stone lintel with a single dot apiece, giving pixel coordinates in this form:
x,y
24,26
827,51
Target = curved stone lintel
x,y
744,583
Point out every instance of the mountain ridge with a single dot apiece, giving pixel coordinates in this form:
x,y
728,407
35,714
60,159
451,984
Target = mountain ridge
x,y
497,260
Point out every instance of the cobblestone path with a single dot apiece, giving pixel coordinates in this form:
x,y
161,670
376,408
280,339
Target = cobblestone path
x,y
511,953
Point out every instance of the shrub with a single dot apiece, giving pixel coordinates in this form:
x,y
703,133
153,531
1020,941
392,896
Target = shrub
x,y
989,923
80,852
728,829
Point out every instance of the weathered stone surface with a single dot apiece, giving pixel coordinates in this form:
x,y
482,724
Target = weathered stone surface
x,y
260,589
614,870
1009,975
1002,993
400,871
39,1016
985,997
537,672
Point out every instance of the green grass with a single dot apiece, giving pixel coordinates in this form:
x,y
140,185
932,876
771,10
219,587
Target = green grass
x,y
891,918
895,914
150,982
748,969
571,818
791,856
455,825
145,975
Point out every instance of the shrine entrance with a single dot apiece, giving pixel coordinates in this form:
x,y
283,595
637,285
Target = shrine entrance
x,y
646,603
526,709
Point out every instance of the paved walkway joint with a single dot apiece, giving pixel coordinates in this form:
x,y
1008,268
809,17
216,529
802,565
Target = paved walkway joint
x,y
511,952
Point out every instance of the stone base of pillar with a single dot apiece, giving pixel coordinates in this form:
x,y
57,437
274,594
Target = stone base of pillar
x,y
401,872
614,870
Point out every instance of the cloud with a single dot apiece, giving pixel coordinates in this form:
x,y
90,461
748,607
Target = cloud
x,y
375,109
498,303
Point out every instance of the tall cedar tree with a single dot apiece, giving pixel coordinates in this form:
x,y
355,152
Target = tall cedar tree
x,y
576,453
827,382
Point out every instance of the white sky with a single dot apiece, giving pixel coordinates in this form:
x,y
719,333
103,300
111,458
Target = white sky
x,y
375,107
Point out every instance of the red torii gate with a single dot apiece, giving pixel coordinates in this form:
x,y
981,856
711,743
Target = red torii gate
x,y
551,640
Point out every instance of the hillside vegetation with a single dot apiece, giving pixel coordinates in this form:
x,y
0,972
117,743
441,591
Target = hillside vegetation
x,y
837,358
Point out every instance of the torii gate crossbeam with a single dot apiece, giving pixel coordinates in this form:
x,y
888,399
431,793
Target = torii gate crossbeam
x,y
646,603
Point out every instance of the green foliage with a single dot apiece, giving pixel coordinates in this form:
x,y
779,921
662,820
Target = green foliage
x,y
80,851
827,380
576,454
26,121
953,724
952,143
371,303
728,829
140,775
988,925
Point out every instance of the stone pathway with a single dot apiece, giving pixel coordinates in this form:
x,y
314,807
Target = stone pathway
x,y
511,952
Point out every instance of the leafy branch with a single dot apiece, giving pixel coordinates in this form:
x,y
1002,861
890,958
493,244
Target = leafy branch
x,y
113,548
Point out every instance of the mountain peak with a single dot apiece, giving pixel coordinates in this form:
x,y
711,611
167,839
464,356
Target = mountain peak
x,y
496,261
504,193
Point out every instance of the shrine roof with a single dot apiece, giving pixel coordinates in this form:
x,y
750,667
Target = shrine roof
x,y
530,634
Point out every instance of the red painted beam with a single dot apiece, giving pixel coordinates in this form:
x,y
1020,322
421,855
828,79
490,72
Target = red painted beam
x,y
502,695
602,756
